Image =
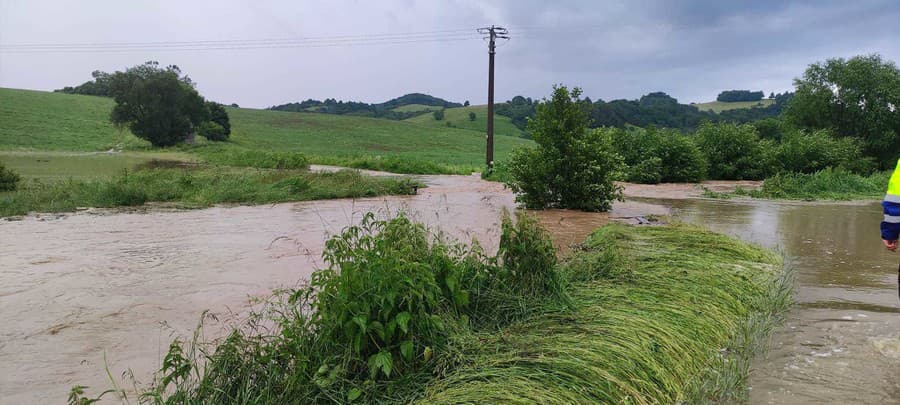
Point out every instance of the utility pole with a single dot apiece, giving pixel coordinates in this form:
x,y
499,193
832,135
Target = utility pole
x,y
492,33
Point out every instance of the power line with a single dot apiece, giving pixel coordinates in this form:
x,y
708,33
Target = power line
x,y
320,41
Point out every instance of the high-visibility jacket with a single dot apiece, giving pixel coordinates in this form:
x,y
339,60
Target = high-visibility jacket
x,y
890,228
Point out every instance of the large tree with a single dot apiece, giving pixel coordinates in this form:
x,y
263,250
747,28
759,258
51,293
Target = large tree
x,y
857,97
157,104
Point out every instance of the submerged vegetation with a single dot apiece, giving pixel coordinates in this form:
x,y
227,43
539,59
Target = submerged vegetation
x,y
202,187
657,314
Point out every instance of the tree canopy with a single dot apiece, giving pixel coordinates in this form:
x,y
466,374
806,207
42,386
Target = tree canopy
x,y
857,97
157,104
730,96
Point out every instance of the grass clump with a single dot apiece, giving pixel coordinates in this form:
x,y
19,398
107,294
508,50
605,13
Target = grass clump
x,y
827,184
195,189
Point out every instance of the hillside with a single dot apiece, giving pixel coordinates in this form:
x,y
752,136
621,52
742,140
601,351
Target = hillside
x,y
459,118
42,121
719,106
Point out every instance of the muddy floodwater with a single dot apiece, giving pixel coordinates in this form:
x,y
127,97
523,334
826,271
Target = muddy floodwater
x,y
80,292
841,341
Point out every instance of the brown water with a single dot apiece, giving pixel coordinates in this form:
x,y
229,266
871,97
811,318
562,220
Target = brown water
x,y
82,291
841,341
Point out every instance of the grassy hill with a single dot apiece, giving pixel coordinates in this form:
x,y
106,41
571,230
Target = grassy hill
x,y
42,121
459,118
719,106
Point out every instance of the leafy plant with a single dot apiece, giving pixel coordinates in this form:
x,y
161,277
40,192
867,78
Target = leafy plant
x,y
9,180
735,152
571,167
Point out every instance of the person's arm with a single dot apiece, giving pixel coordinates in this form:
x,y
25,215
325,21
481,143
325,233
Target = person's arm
x,y
890,227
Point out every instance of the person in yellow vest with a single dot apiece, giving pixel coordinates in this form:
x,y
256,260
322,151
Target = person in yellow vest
x,y
890,228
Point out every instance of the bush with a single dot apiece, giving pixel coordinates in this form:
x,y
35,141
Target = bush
x,y
9,180
659,155
571,167
735,152
212,131
809,152
438,114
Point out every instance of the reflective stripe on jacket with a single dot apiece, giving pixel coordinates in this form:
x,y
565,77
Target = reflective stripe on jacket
x,y
890,228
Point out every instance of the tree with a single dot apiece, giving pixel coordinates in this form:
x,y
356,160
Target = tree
x,y
735,152
772,95
572,167
859,98
219,116
439,114
158,105
472,116
466,104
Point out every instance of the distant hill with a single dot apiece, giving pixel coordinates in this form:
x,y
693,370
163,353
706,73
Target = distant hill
x,y
391,109
719,106
459,118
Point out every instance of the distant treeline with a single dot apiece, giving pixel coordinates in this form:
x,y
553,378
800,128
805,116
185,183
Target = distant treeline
x,y
655,109
382,110
730,96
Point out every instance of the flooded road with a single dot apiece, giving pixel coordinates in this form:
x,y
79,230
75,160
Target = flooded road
x,y
82,291
841,341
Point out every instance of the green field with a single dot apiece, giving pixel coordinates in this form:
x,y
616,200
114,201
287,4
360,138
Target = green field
x,y
459,118
416,108
718,106
42,121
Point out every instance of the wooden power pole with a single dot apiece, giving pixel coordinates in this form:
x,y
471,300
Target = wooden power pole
x,y
492,33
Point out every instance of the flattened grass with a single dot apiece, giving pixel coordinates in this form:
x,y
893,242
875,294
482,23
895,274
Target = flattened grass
x,y
828,184
658,330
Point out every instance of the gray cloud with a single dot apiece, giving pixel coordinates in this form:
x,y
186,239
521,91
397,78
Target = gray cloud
x,y
691,50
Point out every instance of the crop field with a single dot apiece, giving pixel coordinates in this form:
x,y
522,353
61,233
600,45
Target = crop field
x,y
718,106
459,118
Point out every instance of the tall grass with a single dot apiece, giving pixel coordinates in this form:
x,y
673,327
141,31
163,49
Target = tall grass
x,y
828,184
639,315
195,189
393,164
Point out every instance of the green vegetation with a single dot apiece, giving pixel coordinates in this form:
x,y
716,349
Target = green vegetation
x,y
394,109
659,155
719,106
416,108
80,165
728,96
161,106
198,188
735,152
639,314
856,97
571,166
459,118
43,121
827,184
9,180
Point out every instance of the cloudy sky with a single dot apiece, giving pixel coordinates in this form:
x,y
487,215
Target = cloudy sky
x,y
263,52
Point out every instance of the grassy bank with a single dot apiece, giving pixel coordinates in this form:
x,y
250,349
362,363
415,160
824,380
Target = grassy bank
x,y
827,184
638,315
197,188
459,118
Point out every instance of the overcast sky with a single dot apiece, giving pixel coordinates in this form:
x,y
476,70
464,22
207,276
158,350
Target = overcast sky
x,y
624,49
